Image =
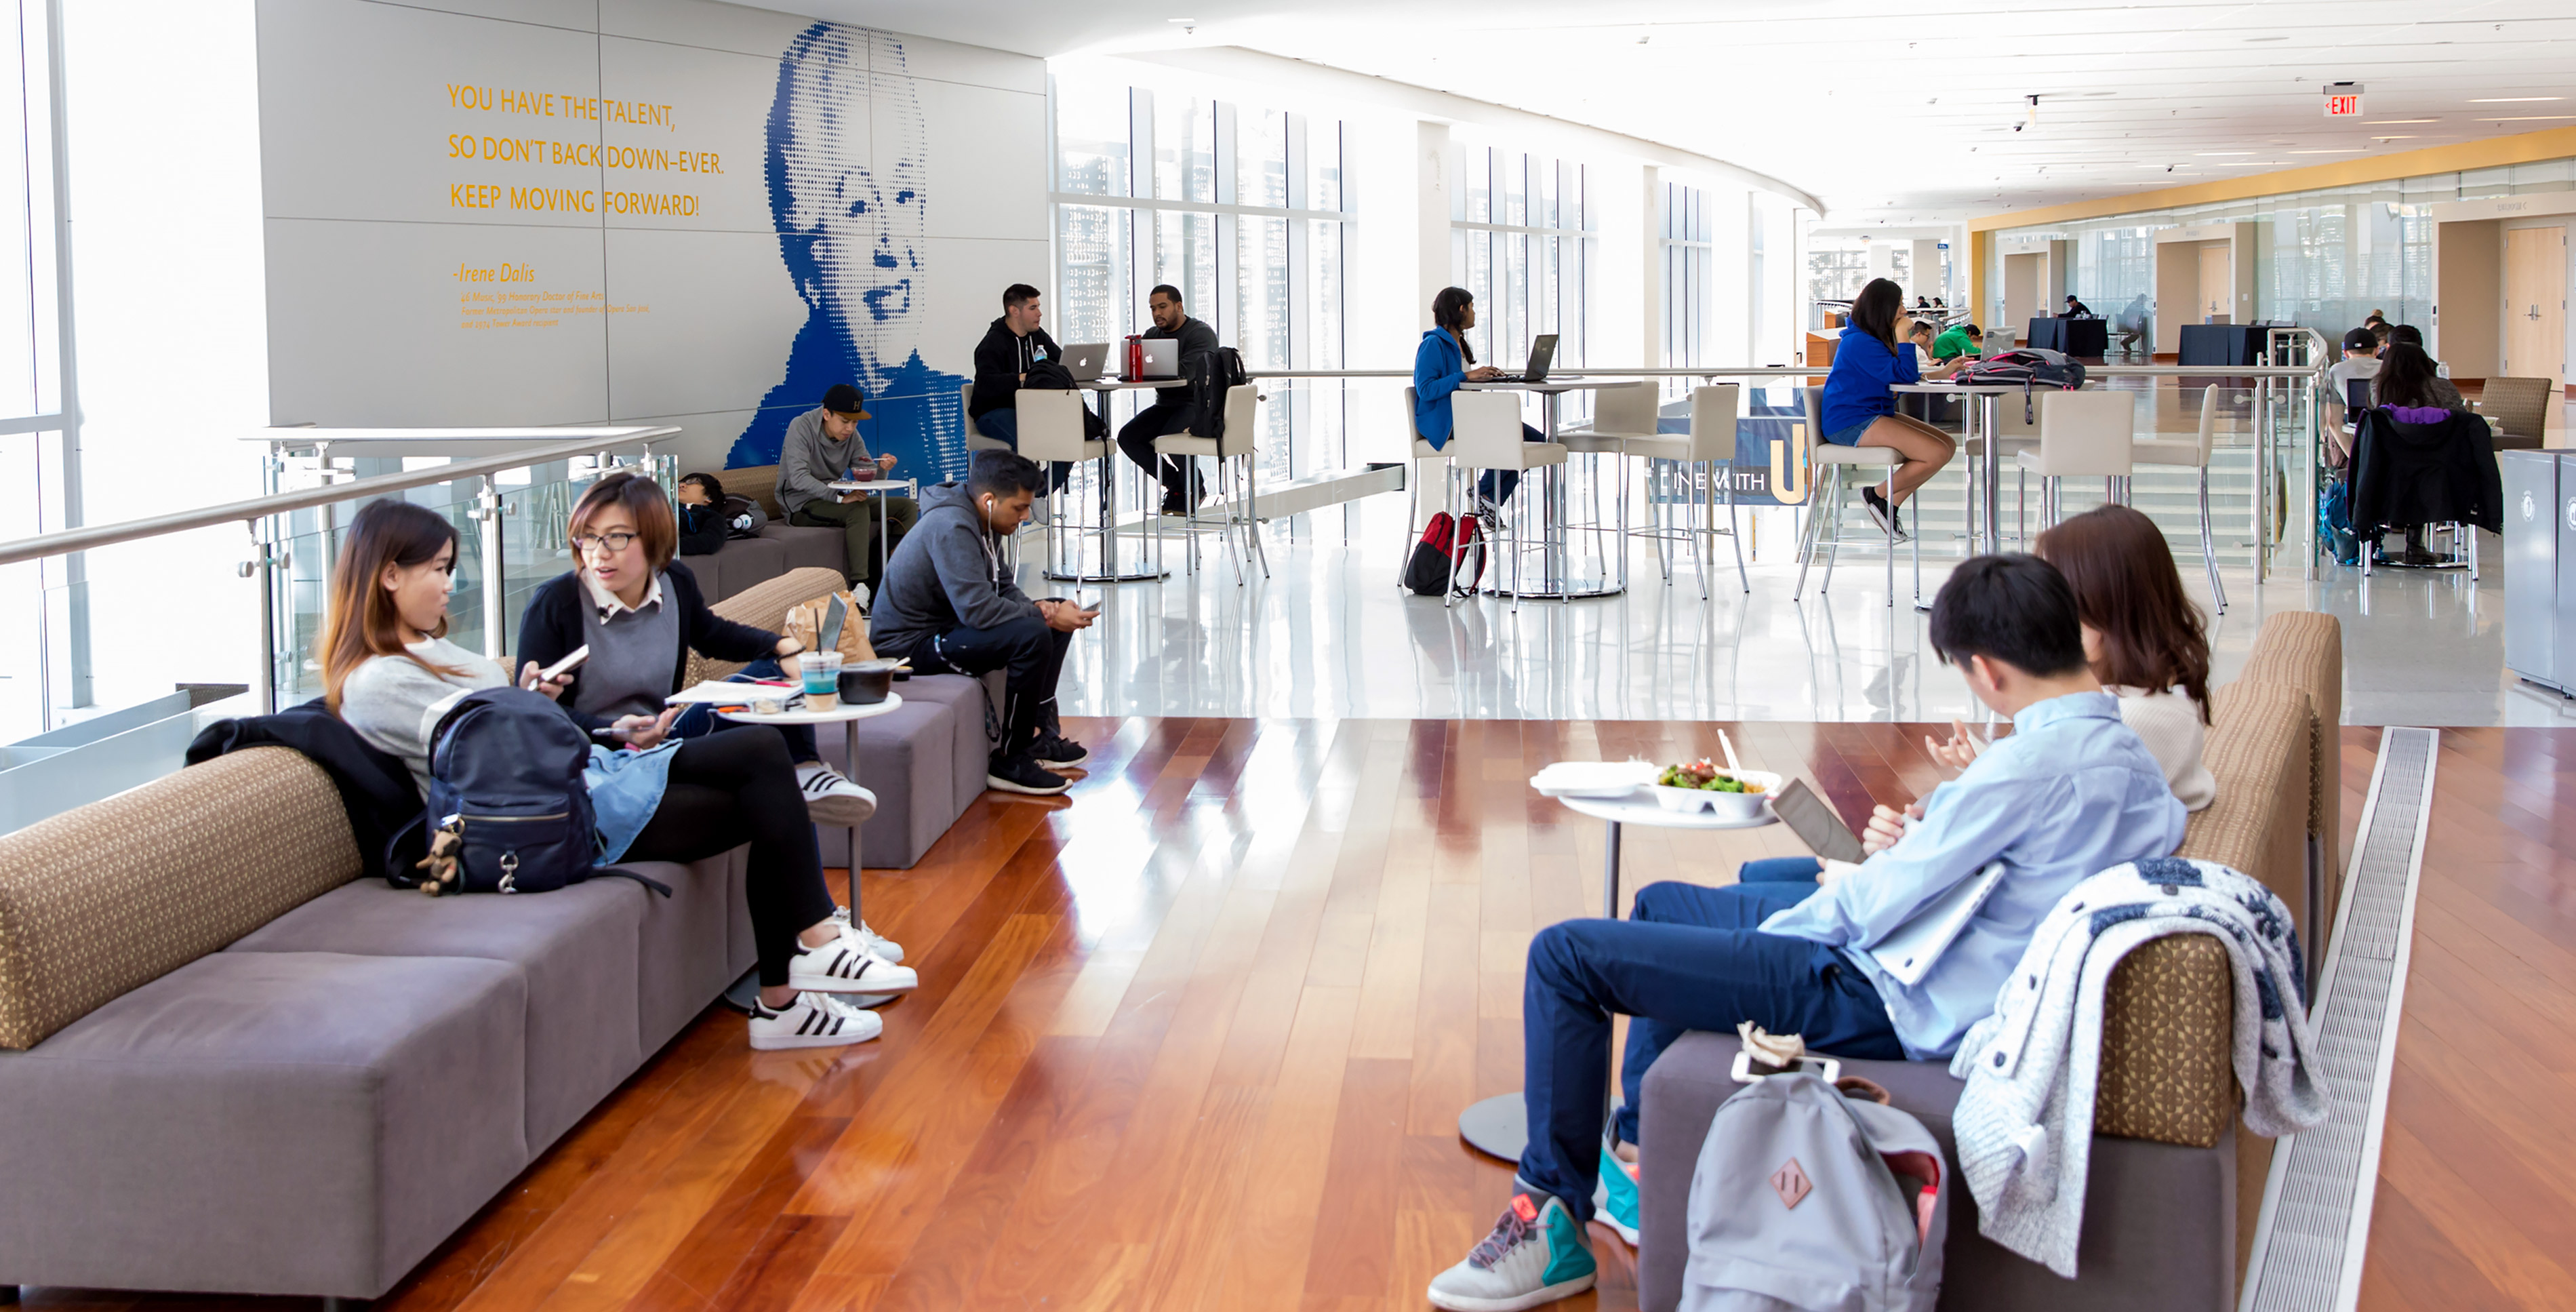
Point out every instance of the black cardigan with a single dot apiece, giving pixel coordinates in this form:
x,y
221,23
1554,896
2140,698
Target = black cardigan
x,y
1000,359
551,628
376,788
2409,474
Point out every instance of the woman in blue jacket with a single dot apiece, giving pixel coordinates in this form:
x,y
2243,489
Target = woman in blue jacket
x,y
1443,361
1860,411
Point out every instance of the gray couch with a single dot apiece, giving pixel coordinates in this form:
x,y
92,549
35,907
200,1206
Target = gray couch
x,y
239,1069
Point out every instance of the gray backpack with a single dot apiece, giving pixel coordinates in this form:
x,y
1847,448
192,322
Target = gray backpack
x,y
1806,1199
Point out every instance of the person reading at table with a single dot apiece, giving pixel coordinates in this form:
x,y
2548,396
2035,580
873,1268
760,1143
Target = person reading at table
x,y
823,447
1963,339
1170,412
2071,792
1012,345
951,606
1441,365
390,673
1859,410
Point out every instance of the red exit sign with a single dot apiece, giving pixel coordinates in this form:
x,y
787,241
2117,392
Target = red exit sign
x,y
2344,105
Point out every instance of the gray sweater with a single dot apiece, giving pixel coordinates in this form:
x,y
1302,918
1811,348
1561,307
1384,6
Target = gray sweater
x,y
394,702
807,461
946,574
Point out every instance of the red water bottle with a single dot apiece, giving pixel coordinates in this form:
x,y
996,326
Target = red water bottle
x,y
1135,357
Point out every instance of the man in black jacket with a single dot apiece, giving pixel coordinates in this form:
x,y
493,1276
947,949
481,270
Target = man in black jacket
x,y
1012,344
1170,411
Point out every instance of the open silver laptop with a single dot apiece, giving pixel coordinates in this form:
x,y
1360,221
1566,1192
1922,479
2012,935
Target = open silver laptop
x,y
1908,953
1162,357
1084,360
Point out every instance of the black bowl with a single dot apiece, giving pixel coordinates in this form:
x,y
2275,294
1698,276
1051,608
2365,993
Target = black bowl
x,y
865,683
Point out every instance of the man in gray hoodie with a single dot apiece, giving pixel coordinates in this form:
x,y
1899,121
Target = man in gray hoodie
x,y
823,447
951,606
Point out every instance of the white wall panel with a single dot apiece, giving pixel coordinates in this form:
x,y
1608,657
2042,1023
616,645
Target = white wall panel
x,y
718,301
987,160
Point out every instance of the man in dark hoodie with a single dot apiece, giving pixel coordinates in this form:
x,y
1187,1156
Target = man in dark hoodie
x,y
951,606
1170,411
1012,344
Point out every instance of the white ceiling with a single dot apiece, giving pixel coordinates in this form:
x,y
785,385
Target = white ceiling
x,y
1889,111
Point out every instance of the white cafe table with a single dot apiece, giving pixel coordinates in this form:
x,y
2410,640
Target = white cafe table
x,y
1100,389
1980,422
1499,1126
846,716
1552,480
882,489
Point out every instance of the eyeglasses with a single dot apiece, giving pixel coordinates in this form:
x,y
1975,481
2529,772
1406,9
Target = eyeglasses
x,y
614,542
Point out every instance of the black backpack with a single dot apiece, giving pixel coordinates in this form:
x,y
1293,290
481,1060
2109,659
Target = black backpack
x,y
1053,376
1210,377
1451,551
2031,366
508,809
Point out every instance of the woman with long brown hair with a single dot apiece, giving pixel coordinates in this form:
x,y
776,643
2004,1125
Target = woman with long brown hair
x,y
1858,409
391,675
2144,639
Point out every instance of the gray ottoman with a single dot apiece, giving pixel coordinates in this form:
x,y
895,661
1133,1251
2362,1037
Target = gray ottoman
x,y
2159,1220
808,546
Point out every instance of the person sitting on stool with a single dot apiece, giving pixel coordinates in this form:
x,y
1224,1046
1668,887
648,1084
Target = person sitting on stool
x,y
950,607
1440,364
1011,345
823,447
1169,413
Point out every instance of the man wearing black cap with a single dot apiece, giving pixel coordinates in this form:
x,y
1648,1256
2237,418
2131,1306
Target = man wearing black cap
x,y
823,447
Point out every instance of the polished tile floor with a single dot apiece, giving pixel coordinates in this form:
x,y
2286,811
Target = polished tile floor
x,y
1330,635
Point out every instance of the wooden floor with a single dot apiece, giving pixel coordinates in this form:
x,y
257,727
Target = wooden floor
x,y
1197,1036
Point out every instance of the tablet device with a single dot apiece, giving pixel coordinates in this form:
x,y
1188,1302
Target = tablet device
x,y
1815,823
1908,953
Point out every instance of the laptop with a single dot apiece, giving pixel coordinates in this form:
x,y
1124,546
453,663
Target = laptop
x,y
1084,360
1908,953
1162,357
1542,354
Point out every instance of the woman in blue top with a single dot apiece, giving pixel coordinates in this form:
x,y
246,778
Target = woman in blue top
x,y
1440,364
1859,410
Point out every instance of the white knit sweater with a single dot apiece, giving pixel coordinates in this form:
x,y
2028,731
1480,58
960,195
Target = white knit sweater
x,y
2169,724
2025,1122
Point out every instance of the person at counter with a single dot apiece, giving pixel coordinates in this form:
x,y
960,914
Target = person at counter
x,y
2076,309
1013,344
1169,413
1441,365
823,447
1859,411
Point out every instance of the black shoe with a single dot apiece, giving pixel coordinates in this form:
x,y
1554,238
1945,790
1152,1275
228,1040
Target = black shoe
x,y
1882,512
1054,751
1022,774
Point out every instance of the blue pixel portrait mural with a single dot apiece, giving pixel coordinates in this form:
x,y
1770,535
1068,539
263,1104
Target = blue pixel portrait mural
x,y
844,163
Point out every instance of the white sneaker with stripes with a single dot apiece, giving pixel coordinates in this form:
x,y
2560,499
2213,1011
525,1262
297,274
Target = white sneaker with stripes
x,y
813,1020
844,965
831,799
875,942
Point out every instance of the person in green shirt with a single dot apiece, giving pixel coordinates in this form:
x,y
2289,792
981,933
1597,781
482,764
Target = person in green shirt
x,y
1966,339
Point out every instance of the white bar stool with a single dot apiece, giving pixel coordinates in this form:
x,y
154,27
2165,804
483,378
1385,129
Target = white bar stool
x,y
1051,428
2081,435
2192,454
1830,461
1234,444
1618,413
975,439
1422,451
1709,450
1487,435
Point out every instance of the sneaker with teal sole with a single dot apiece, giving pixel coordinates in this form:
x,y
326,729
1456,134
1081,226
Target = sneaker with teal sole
x,y
1614,1199
1535,1255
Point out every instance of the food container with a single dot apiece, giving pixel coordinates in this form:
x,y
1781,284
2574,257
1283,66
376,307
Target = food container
x,y
1594,778
774,704
864,683
1727,806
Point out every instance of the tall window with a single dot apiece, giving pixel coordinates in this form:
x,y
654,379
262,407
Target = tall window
x,y
44,649
1836,271
1689,247
1240,207
1519,229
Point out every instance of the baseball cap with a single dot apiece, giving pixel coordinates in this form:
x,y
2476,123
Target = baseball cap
x,y
2361,339
844,399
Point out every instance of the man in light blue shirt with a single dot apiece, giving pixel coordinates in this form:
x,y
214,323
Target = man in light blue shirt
x,y
2071,792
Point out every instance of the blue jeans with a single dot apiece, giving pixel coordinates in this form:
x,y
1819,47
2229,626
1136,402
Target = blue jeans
x,y
1003,425
1687,958
699,719
1498,485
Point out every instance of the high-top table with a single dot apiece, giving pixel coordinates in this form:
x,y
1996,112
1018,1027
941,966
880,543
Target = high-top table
x,y
1980,423
882,489
1552,480
1499,1126
1101,389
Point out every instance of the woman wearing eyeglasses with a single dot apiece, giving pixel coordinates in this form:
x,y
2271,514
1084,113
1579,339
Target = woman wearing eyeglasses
x,y
730,785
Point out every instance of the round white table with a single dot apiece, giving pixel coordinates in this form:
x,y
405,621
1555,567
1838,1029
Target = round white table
x,y
1101,389
1499,1126
846,716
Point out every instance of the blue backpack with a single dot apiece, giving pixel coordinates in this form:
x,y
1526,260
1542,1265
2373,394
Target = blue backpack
x,y
508,810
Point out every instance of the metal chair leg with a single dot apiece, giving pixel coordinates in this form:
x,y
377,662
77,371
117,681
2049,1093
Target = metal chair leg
x,y
1815,527
1834,544
2209,544
1735,535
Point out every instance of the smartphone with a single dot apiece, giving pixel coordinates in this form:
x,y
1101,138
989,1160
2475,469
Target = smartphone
x,y
1815,823
571,659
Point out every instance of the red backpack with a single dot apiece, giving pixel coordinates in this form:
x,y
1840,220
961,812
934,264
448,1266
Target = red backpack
x,y
1451,553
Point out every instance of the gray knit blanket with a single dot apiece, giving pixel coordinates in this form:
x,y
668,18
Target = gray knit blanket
x,y
2025,1121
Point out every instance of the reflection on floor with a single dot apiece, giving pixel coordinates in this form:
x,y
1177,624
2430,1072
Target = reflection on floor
x,y
1330,634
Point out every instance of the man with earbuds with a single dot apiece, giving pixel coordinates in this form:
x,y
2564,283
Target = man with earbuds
x,y
950,605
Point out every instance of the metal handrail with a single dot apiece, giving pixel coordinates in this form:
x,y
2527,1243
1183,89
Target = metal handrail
x,y
589,440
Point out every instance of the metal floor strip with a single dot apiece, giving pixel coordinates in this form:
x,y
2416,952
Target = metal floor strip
x,y
2308,1245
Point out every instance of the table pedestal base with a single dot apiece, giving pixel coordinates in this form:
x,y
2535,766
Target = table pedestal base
x,y
1496,1127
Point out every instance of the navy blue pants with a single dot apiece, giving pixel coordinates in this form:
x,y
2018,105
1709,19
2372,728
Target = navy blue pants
x,y
699,719
1029,650
1498,485
1687,958
1003,425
